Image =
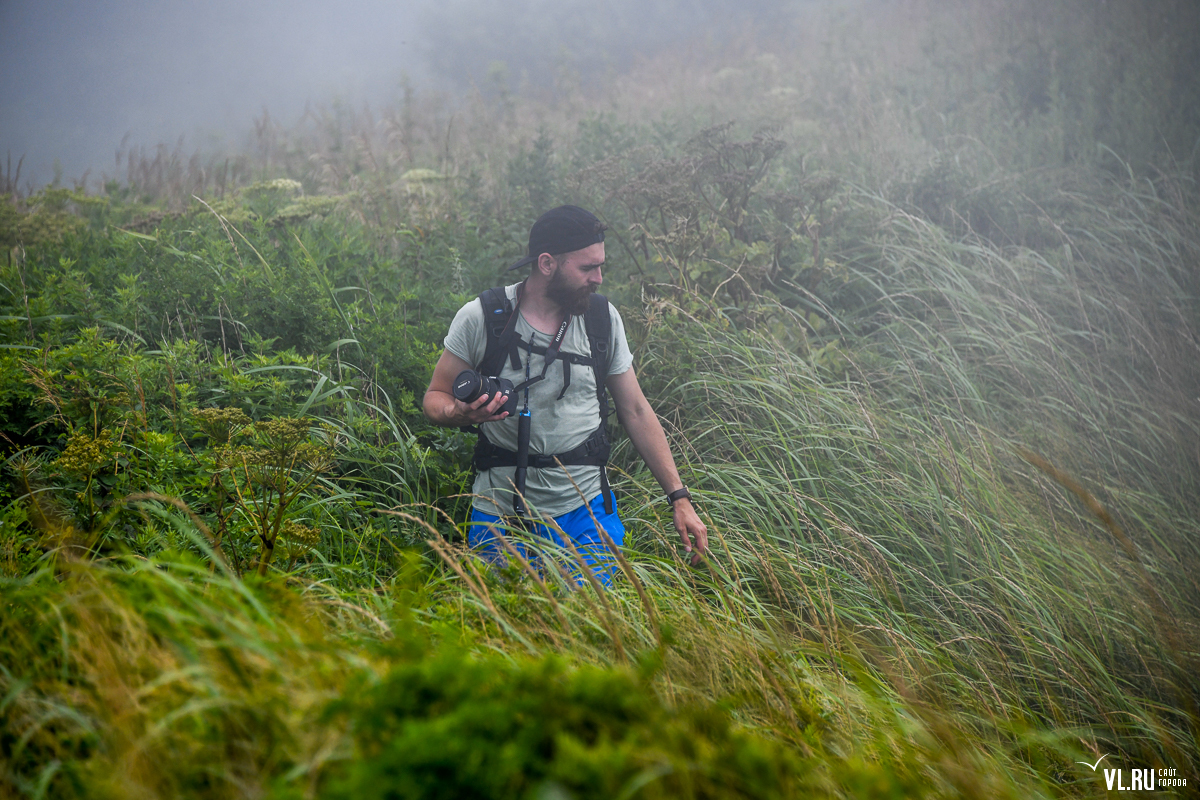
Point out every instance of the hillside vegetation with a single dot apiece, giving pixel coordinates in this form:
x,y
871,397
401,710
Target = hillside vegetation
x,y
919,307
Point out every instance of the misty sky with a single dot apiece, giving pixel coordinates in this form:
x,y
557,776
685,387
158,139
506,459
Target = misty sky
x,y
76,77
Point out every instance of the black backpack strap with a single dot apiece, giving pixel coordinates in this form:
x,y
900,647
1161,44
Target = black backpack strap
x,y
497,316
598,323
566,362
592,451
500,324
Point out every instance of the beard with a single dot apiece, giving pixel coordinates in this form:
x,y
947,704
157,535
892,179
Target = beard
x,y
574,301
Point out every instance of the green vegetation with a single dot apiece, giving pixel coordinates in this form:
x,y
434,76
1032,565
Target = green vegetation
x,y
922,323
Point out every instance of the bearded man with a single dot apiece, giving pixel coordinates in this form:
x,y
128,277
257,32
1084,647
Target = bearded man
x,y
563,348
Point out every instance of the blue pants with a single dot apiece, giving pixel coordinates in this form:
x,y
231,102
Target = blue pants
x,y
578,525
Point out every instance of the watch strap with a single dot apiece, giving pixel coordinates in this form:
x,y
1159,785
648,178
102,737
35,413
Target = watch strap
x,y
678,494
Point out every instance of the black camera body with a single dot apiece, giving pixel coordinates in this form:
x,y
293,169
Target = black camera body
x,y
469,385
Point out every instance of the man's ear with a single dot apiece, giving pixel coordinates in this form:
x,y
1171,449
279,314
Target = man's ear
x,y
546,264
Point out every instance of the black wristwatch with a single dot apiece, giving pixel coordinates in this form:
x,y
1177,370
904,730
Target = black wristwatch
x,y
677,495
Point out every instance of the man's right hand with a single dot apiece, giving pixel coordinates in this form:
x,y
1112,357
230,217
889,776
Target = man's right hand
x,y
443,408
484,409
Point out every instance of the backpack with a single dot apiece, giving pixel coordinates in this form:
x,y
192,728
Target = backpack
x,y
503,343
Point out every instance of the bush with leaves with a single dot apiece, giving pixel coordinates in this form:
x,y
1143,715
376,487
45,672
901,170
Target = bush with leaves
x,y
452,725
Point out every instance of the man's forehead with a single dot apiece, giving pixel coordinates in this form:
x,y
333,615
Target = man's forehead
x,y
590,256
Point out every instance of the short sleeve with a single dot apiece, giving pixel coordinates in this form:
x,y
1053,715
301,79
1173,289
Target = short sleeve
x,y
466,338
622,358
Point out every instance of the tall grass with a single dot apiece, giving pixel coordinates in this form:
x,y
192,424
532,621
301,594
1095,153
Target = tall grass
x,y
928,544
162,679
881,497
1090,347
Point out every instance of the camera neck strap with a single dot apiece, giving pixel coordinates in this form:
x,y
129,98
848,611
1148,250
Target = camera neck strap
x,y
551,354
523,419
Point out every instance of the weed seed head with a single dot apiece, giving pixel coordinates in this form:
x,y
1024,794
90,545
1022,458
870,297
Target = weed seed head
x,y
85,456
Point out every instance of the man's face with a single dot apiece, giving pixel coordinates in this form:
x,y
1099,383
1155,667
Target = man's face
x,y
576,278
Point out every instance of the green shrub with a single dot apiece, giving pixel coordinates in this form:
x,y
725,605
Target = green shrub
x,y
452,725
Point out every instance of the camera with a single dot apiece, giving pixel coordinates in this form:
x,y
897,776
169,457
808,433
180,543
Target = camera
x,y
469,385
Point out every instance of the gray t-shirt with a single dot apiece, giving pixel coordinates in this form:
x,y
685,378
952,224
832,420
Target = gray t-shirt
x,y
556,426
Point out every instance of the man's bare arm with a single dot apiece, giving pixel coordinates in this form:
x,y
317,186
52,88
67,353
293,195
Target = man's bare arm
x,y
441,407
646,433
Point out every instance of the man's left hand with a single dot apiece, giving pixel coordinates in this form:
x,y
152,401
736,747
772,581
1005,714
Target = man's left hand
x,y
692,531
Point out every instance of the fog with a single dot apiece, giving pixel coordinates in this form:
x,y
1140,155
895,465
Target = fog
x,y
80,78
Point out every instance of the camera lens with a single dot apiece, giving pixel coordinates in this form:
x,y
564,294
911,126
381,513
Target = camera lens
x,y
468,386
487,385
